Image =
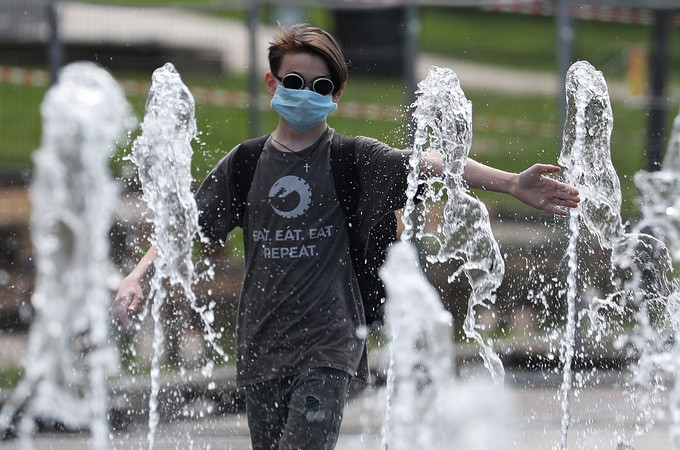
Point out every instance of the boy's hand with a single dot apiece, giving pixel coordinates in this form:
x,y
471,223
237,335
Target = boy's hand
x,y
127,304
545,193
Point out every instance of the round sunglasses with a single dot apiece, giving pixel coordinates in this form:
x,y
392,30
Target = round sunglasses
x,y
320,85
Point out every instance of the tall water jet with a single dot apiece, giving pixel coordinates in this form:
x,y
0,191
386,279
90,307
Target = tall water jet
x,y
660,196
420,378
660,208
421,342
429,408
162,154
585,156
69,356
443,124
587,159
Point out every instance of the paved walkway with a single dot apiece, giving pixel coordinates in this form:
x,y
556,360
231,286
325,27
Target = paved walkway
x,y
172,27
532,420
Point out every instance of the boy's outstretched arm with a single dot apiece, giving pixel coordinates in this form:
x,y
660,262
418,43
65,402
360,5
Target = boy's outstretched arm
x,y
530,186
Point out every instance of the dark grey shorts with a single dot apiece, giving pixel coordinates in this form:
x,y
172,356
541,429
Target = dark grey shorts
x,y
297,412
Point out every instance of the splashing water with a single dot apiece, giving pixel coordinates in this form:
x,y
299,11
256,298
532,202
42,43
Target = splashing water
x,y
660,202
660,208
419,386
671,161
585,155
69,356
421,337
429,409
587,159
443,117
163,154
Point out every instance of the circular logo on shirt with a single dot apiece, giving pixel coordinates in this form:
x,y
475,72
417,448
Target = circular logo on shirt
x,y
290,197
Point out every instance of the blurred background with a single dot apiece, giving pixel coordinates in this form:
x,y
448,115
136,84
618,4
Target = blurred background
x,y
510,55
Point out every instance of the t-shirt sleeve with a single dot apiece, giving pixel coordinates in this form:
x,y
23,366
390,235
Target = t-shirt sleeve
x,y
217,208
383,173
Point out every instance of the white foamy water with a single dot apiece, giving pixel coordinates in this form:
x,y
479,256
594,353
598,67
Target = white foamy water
x,y
69,355
443,120
162,154
423,401
645,261
429,408
660,208
660,196
587,160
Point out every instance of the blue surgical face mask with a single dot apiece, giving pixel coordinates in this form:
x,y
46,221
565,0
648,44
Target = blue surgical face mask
x,y
303,109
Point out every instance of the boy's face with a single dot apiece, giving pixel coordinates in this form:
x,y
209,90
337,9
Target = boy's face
x,y
307,65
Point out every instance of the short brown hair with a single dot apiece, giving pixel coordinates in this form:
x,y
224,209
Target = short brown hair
x,y
302,38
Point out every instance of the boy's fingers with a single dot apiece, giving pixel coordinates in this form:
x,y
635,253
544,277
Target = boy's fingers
x,y
134,304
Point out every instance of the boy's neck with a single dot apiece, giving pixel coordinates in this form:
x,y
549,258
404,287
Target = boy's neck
x,y
293,140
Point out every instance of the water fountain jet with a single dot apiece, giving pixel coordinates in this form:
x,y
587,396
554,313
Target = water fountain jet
x,y
162,154
443,117
645,260
660,196
420,385
69,355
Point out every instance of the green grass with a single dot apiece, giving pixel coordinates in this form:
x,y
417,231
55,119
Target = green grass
x,y
20,123
10,377
530,41
516,40
223,128
524,41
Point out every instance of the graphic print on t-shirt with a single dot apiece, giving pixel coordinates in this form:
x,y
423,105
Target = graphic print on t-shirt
x,y
290,197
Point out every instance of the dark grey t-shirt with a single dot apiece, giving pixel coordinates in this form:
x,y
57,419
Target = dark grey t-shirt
x,y
300,306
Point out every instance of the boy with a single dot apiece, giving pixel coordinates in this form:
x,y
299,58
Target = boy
x,y
300,308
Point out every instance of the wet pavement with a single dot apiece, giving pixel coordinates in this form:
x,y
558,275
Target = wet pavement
x,y
600,417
